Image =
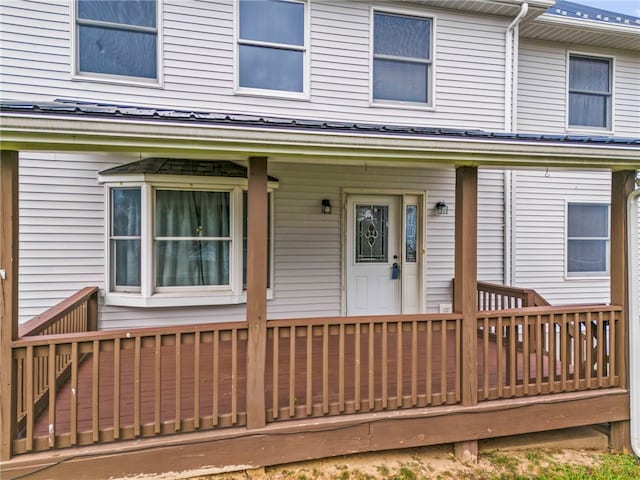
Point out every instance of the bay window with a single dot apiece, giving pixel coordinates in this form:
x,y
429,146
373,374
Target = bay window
x,y
178,240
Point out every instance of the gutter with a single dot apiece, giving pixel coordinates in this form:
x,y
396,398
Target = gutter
x,y
634,317
510,61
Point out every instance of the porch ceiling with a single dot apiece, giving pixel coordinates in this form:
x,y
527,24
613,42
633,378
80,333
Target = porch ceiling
x,y
63,126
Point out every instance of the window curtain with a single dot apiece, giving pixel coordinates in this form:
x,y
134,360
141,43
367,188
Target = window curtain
x,y
186,250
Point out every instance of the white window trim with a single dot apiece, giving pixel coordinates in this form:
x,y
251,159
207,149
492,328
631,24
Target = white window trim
x,y
430,106
585,275
305,49
585,129
149,295
94,77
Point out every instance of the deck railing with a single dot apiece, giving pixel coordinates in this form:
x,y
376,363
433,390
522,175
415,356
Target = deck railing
x,y
131,384
492,296
541,350
126,384
333,366
75,314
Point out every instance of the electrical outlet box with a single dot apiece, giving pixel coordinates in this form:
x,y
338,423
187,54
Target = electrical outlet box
x,y
446,308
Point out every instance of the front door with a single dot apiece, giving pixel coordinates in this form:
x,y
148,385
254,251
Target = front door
x,y
373,255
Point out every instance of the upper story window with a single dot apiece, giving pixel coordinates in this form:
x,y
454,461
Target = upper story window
x,y
178,237
402,59
117,38
272,46
587,239
590,80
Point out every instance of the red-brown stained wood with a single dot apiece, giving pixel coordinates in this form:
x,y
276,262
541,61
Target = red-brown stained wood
x,y
622,184
257,233
8,297
294,441
465,297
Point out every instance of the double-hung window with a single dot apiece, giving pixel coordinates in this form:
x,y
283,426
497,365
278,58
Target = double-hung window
x,y
272,49
587,239
178,239
402,59
117,39
590,80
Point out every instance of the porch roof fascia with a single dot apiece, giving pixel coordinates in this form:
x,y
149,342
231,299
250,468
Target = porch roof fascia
x,y
53,132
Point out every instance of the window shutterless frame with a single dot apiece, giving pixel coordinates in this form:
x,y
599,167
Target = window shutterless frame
x,y
428,61
609,94
78,75
273,46
587,275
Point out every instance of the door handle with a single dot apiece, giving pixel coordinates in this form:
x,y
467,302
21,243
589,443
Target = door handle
x,y
395,270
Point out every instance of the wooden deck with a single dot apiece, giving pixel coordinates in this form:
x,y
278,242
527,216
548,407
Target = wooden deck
x,y
142,383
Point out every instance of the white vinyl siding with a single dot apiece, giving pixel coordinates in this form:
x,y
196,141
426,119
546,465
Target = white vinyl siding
x,y
542,87
62,215
540,232
198,71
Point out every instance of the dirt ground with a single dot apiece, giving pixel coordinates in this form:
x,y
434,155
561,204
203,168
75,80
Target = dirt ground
x,y
437,463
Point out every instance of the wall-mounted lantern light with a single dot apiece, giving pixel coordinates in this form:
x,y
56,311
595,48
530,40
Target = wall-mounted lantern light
x,y
326,206
441,208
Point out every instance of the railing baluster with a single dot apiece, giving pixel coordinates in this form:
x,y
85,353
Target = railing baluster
x,y
513,355
137,404
116,388
178,382
414,363
485,358
30,407
553,351
309,393
276,365
52,395
564,340
157,383
399,360
588,370
234,376
215,377
357,361
601,347
385,364
429,367
525,354
500,363
458,353
325,369
539,354
577,358
443,361
613,324
341,368
95,392
371,367
74,393
292,371
196,380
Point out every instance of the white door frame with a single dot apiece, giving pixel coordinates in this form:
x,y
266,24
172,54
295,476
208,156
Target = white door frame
x,y
422,240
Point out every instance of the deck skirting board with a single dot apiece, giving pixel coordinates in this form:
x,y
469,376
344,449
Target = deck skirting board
x,y
238,448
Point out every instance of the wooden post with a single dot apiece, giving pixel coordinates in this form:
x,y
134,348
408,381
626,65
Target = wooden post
x,y
622,184
92,312
257,233
465,287
8,296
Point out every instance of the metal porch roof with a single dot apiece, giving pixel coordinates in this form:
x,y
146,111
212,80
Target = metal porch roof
x,y
78,109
